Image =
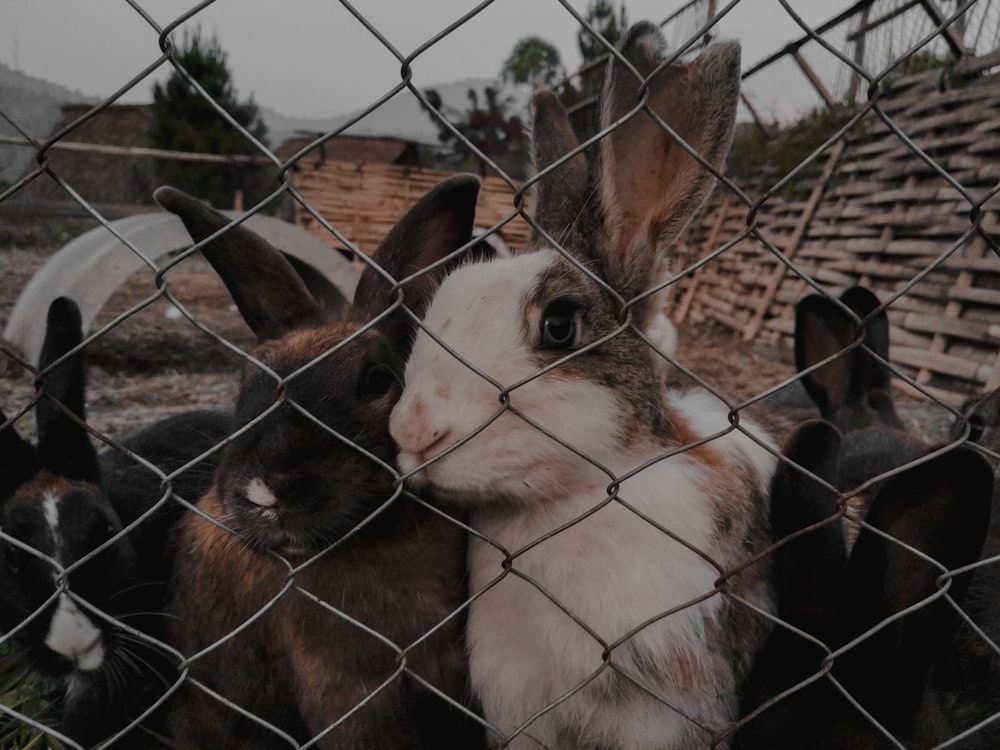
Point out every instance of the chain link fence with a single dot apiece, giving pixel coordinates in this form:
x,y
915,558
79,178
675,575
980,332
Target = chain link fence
x,y
615,518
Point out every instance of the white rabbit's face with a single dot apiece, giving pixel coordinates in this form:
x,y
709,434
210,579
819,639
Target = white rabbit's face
x,y
500,325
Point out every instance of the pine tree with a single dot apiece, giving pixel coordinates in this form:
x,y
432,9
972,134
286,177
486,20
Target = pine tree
x,y
610,24
183,120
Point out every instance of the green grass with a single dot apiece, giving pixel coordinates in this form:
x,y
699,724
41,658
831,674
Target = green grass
x,y
22,690
782,150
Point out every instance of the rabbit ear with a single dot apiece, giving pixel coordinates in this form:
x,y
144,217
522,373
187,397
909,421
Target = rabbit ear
x,y
18,462
332,302
269,294
435,227
852,390
869,371
940,508
821,329
64,447
811,566
982,413
649,186
561,194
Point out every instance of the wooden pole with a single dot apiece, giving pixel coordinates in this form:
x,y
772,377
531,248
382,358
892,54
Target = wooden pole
x,y
794,242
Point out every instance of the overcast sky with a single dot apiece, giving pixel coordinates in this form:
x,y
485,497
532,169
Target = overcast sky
x,y
313,58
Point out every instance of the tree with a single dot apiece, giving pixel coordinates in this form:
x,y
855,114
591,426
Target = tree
x,y
606,22
485,125
184,121
610,24
531,61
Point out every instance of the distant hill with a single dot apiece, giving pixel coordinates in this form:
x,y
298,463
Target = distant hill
x,y
34,106
401,116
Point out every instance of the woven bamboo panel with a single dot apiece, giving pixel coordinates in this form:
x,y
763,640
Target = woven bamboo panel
x,y
918,224
363,201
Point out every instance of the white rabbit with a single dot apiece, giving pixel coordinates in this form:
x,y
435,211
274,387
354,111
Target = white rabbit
x,y
607,512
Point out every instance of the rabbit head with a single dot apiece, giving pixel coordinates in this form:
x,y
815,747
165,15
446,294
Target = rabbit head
x,y
316,393
514,348
876,609
982,414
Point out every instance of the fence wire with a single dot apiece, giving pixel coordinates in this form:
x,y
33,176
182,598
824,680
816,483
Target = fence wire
x,y
757,578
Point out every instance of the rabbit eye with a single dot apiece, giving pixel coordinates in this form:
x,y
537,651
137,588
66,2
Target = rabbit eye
x,y
559,325
11,556
377,381
976,427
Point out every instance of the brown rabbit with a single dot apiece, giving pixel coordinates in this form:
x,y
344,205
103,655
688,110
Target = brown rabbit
x,y
312,597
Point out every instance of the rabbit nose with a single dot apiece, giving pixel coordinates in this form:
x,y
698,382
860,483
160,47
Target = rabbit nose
x,y
258,493
413,426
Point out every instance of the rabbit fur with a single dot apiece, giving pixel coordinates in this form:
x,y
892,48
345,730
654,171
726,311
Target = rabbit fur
x,y
930,675
84,569
534,401
916,677
309,590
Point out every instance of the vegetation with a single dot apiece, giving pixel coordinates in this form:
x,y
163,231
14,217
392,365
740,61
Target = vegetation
x,y
488,125
952,76
41,233
782,150
610,24
24,691
183,120
533,60
920,62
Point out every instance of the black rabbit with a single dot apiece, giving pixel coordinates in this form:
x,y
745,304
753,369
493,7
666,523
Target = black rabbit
x,y
903,662
80,597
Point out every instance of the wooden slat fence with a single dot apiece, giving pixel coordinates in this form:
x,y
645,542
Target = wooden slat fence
x,y
877,214
363,201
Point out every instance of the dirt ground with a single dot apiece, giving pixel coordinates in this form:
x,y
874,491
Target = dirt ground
x,y
155,362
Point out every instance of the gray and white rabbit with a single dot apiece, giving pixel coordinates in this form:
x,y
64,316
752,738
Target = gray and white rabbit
x,y
83,570
612,520
313,599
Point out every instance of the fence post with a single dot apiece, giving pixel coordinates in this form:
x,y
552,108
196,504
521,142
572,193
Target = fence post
x,y
951,35
684,306
794,242
814,79
851,96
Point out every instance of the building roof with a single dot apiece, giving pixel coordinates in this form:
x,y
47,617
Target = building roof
x,y
352,149
122,179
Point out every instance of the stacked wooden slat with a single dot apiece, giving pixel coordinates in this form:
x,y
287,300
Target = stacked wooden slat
x,y
363,201
906,204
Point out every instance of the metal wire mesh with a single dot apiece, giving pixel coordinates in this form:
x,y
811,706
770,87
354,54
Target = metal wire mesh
x,y
768,236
